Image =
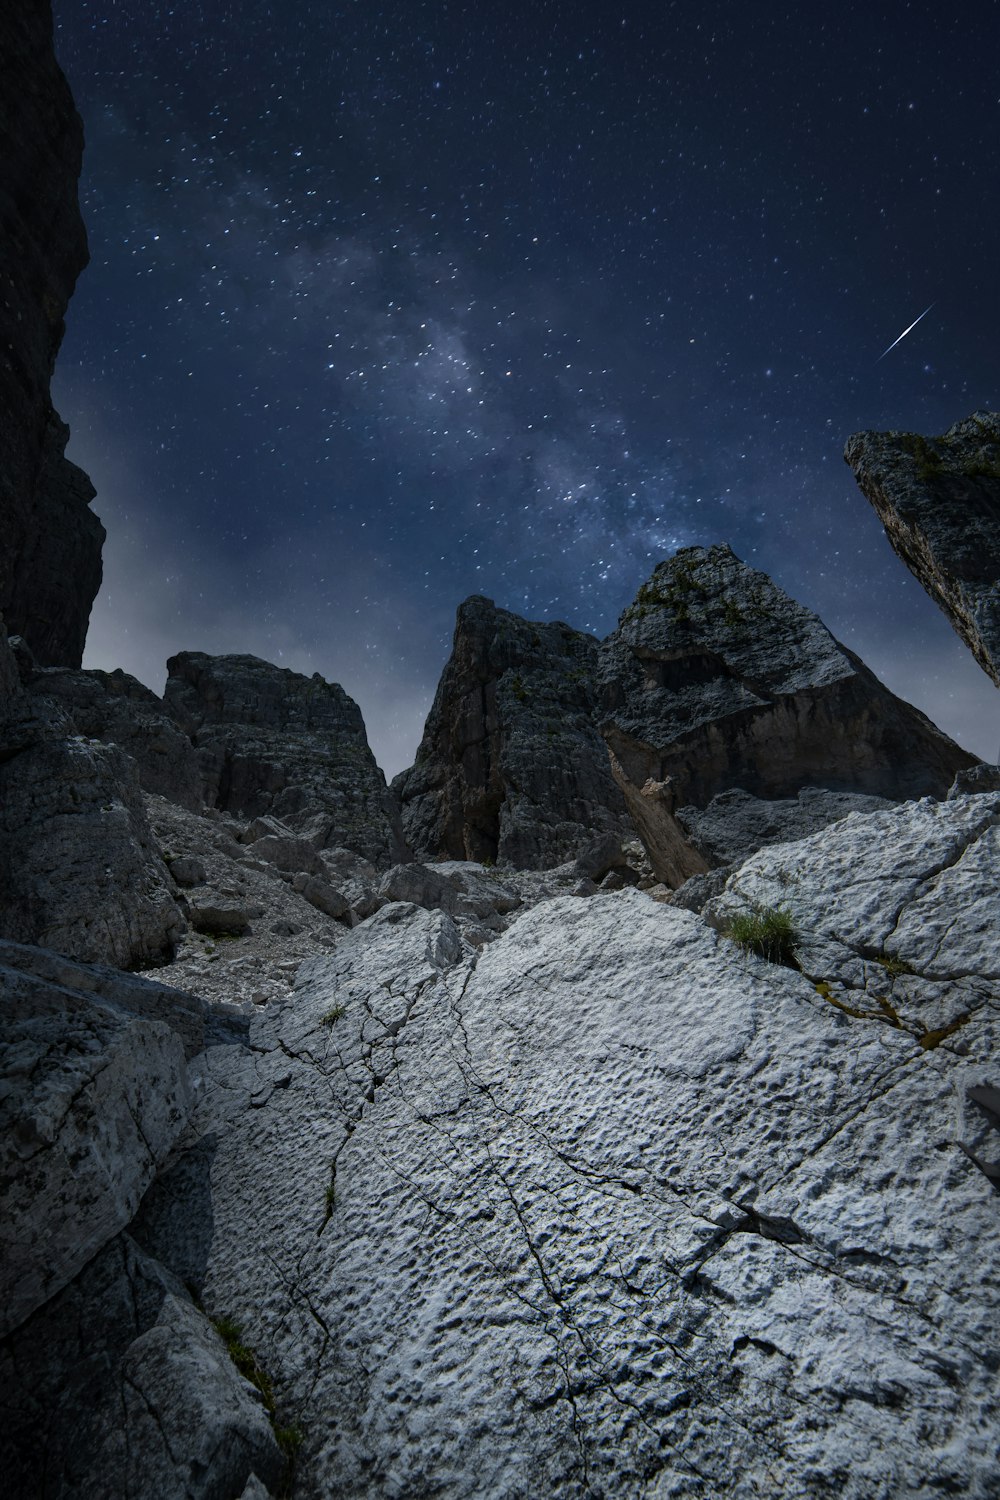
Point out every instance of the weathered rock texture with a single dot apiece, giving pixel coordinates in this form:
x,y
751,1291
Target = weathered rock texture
x,y
79,870
116,708
511,766
939,501
113,1382
120,1386
716,679
92,1100
272,741
50,562
613,1208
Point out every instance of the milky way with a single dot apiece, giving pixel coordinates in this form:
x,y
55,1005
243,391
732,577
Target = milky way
x,y
394,303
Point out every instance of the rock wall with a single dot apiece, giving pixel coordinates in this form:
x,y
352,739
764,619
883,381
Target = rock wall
x,y
716,679
939,501
50,563
511,766
271,741
79,869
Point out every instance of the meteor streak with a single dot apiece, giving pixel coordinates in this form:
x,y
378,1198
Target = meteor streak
x,y
905,331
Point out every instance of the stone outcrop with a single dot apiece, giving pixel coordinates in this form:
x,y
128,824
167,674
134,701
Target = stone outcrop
x,y
115,1382
79,869
92,1101
271,741
511,767
735,825
50,562
116,708
939,501
715,679
613,1205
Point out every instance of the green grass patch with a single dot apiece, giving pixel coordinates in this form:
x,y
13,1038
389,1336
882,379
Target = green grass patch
x,y
767,931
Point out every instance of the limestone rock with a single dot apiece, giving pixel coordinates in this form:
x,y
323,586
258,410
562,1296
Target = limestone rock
x,y
939,501
716,679
92,1100
979,778
79,871
614,1208
187,870
218,913
734,825
50,564
120,1386
321,894
288,853
460,888
511,767
198,1023
274,742
116,708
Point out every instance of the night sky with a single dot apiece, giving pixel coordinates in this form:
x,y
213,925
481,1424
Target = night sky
x,y
392,303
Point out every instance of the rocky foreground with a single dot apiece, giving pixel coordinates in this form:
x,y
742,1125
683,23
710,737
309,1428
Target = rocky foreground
x,y
607,1207
608,1108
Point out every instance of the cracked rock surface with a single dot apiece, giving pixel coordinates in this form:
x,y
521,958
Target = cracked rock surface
x,y
612,1208
91,1100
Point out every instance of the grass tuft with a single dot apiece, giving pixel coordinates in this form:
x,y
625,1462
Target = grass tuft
x,y
767,931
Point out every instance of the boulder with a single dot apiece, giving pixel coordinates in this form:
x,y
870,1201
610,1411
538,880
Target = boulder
x,y
92,1101
197,1023
123,1387
79,871
50,563
511,767
272,742
187,870
735,824
979,778
616,1207
289,853
939,501
715,679
218,913
321,894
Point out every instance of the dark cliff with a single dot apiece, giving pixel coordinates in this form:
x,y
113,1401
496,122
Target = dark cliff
x,y
50,564
939,501
511,765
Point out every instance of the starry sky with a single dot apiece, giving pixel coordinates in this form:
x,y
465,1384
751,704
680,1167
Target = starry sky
x,y
393,302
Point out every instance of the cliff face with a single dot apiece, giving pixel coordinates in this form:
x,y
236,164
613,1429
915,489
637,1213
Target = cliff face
x,y
274,742
50,563
939,501
716,679
511,765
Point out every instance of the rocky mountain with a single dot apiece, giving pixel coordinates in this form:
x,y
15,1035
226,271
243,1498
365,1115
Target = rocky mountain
x,y
939,501
50,563
715,679
511,766
396,1175
273,741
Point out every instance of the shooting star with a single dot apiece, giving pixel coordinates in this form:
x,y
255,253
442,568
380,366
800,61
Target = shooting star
x,y
902,336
